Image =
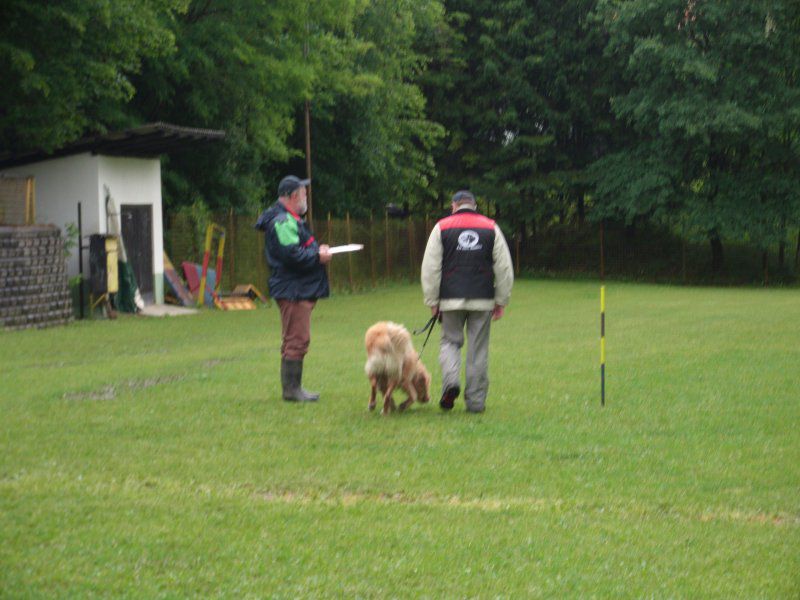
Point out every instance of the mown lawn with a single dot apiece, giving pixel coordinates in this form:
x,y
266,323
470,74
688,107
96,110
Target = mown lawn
x,y
154,457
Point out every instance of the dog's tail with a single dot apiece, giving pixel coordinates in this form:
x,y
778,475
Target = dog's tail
x,y
383,364
385,353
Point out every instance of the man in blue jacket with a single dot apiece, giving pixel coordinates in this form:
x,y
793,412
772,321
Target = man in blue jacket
x,y
297,278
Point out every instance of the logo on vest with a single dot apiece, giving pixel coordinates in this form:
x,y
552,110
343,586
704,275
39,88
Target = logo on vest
x,y
468,240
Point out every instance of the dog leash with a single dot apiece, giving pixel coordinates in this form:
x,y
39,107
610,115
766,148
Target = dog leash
x,y
429,328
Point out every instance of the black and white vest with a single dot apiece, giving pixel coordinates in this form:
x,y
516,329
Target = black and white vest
x,y
467,265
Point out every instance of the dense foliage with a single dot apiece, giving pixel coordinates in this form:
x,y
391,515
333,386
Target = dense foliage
x,y
684,113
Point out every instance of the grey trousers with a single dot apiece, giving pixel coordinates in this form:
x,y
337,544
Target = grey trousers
x,y
477,368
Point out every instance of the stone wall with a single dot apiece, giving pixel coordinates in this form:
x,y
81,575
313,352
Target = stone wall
x,y
33,278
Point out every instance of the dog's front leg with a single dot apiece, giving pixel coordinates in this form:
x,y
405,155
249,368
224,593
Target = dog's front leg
x,y
412,396
388,402
374,383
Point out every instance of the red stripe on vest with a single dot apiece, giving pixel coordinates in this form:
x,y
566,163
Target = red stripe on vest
x,y
466,221
309,241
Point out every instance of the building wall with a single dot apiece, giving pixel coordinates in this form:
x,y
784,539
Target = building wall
x,y
63,182
60,184
136,181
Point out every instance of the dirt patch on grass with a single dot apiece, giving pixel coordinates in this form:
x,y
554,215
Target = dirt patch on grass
x,y
531,504
109,392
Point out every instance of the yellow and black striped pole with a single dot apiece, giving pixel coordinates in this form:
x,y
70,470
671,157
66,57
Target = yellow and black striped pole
x,y
602,345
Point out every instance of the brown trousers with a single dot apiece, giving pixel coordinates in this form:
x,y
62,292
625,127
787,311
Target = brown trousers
x,y
295,327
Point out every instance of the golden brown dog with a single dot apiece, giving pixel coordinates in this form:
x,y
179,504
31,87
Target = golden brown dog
x,y
392,362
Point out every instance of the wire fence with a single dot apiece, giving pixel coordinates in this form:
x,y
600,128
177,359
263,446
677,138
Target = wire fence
x,y
393,251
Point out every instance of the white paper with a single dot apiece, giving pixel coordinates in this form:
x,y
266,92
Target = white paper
x,y
346,248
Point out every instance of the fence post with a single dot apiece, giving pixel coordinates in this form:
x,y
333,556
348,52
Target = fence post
x,y
411,269
388,245
372,248
231,251
30,202
350,255
797,254
602,250
329,241
683,253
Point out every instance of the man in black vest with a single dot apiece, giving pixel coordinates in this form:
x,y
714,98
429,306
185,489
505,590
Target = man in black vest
x,y
467,277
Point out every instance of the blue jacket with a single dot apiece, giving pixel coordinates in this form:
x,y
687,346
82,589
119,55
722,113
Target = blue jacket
x,y
293,256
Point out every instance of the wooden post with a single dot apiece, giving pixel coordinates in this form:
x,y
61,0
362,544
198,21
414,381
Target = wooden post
x,y
797,253
388,245
329,241
602,251
683,250
30,201
683,260
232,251
350,255
411,268
310,212
372,248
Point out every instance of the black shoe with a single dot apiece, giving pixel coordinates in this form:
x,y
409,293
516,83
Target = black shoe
x,y
449,396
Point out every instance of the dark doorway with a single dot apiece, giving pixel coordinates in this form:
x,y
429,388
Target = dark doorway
x,y
137,234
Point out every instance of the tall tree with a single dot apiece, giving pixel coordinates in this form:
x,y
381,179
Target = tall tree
x,y
66,67
248,67
521,97
710,93
239,66
372,137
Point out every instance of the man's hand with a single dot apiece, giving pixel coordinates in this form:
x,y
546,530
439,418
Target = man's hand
x,y
325,255
434,310
497,312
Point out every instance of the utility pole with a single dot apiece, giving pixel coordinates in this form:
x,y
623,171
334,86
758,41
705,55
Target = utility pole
x,y
310,212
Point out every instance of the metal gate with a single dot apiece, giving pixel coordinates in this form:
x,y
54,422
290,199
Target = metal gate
x,y
137,235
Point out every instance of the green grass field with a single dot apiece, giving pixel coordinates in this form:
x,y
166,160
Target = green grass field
x,y
154,457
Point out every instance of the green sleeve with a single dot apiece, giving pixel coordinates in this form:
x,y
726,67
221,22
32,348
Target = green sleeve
x,y
287,232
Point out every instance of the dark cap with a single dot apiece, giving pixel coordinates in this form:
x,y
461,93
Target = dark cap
x,y
463,196
290,183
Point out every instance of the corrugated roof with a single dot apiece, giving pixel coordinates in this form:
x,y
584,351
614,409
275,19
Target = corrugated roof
x,y
147,141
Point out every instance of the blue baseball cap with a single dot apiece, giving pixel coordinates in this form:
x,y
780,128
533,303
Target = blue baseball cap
x,y
290,183
463,196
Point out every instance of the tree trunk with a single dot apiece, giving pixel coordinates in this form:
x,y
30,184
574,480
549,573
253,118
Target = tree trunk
x,y
717,257
765,265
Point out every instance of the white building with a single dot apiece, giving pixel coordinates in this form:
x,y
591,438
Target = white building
x,y
124,165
